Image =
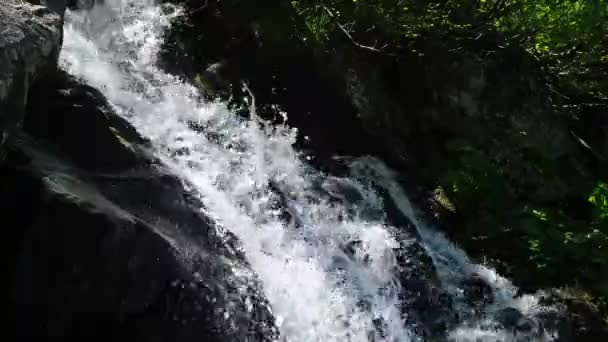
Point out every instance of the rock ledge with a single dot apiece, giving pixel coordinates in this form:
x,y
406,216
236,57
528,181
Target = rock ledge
x,y
30,41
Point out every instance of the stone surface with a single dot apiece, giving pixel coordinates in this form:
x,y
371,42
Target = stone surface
x,y
207,46
78,119
57,6
30,41
116,251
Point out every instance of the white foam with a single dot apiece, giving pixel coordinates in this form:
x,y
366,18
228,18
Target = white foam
x,y
314,289
454,266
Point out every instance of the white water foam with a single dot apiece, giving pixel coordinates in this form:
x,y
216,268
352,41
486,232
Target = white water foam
x,y
454,267
314,288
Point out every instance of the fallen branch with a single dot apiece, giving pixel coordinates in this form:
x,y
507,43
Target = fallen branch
x,y
348,35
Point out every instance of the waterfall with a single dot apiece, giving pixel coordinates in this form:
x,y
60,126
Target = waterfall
x,y
321,244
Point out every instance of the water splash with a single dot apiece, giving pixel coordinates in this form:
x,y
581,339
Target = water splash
x,y
242,170
320,244
454,268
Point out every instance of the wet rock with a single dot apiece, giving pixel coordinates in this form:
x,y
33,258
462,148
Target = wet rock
x,y
78,120
214,78
282,205
477,291
108,253
426,305
30,40
509,317
90,267
521,326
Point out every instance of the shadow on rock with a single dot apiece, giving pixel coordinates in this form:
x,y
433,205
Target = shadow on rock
x,y
110,245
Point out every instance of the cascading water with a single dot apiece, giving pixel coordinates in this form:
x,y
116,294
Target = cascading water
x,y
454,268
320,244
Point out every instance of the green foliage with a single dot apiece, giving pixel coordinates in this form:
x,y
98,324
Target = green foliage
x,y
473,179
378,23
519,194
569,36
599,199
559,249
556,240
316,21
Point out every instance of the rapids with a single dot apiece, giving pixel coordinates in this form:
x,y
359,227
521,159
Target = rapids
x,y
321,244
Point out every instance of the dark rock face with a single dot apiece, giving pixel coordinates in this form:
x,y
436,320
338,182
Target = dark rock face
x,y
30,40
224,44
116,251
523,328
477,291
427,306
78,119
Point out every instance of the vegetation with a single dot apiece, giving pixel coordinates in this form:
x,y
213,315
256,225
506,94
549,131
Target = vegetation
x,y
519,196
569,36
502,192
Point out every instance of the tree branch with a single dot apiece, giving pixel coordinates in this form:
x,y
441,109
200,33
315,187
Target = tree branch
x,y
347,34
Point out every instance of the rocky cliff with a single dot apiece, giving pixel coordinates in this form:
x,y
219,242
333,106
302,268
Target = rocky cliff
x,y
29,45
105,244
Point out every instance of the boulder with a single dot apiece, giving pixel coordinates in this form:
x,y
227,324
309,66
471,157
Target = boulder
x,y
111,250
425,303
477,291
523,328
30,41
77,119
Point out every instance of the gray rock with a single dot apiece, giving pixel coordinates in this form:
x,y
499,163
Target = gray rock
x,y
57,6
93,265
30,41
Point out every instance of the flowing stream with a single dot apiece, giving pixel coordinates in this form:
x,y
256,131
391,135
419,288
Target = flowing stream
x,y
293,221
